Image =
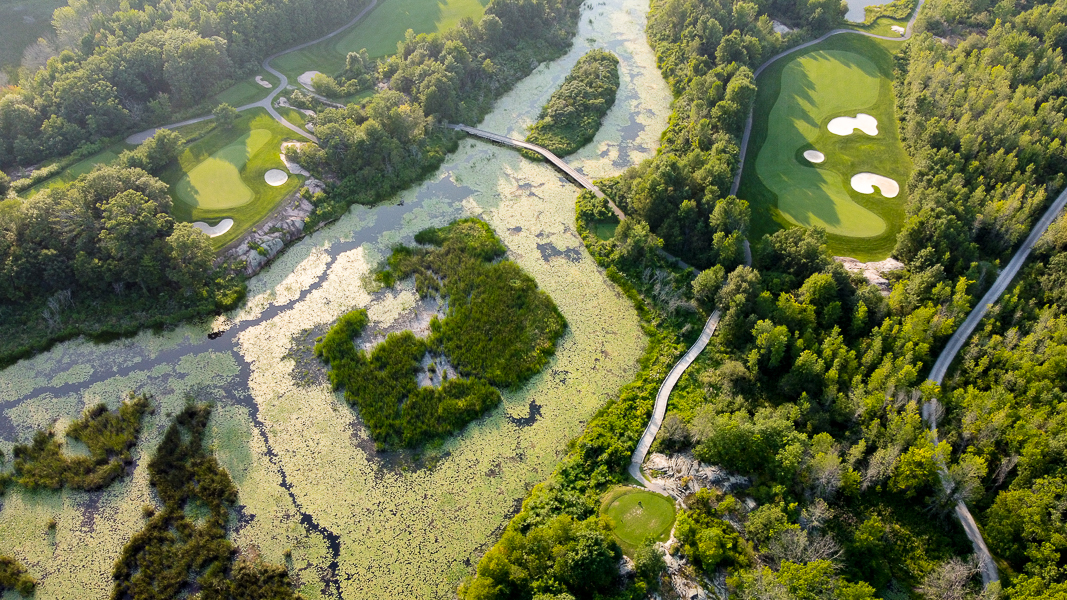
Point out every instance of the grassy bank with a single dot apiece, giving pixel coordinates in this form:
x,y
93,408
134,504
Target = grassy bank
x,y
499,330
378,32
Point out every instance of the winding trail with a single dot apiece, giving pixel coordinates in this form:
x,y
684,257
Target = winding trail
x,y
784,53
955,344
268,102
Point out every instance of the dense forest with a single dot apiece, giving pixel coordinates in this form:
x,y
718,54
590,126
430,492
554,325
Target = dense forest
x,y
183,546
498,330
103,255
572,116
813,386
387,143
707,52
131,66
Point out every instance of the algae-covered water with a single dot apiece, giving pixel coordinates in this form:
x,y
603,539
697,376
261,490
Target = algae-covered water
x,y
358,524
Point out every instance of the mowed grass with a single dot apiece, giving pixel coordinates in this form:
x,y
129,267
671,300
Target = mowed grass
x,y
221,175
105,156
378,32
247,90
797,97
637,515
21,23
215,183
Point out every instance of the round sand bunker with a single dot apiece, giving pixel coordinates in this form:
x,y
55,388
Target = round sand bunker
x,y
276,177
865,183
814,156
846,125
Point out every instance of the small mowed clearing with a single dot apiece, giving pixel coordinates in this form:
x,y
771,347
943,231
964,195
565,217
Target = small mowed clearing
x,y
846,77
378,32
636,515
222,174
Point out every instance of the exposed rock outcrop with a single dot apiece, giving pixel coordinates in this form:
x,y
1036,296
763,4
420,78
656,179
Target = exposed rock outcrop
x,y
267,240
873,271
681,474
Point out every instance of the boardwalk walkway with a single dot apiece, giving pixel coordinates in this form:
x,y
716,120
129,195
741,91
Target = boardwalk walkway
x,y
571,172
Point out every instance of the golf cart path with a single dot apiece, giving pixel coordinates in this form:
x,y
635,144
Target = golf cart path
x,y
955,344
268,102
773,59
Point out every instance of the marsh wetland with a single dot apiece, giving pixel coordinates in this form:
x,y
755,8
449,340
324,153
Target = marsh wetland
x,y
313,493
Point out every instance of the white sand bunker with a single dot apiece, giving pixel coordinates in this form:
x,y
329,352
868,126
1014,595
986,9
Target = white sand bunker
x,y
814,156
223,226
263,82
846,125
865,183
305,79
898,29
276,177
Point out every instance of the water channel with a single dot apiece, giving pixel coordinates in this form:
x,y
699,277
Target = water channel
x,y
358,523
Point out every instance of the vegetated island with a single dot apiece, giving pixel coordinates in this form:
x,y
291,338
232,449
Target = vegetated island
x,y
499,329
573,113
184,544
109,436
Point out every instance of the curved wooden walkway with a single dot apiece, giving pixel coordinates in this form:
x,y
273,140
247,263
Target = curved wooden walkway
x,y
559,163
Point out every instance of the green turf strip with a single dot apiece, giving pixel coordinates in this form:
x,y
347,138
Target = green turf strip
x,y
216,182
798,97
816,88
379,32
637,515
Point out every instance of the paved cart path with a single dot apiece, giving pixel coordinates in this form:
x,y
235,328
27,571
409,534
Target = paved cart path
x,y
268,102
955,344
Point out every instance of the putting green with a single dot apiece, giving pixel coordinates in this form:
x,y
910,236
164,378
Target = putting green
x,y
797,98
636,515
216,182
815,88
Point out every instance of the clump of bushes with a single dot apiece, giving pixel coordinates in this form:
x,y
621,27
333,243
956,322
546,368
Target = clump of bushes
x,y
572,116
175,553
109,435
499,331
13,576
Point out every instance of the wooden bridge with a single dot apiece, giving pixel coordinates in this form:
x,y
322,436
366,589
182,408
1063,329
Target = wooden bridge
x,y
580,179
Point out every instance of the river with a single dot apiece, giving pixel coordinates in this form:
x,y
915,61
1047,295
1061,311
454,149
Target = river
x,y
358,523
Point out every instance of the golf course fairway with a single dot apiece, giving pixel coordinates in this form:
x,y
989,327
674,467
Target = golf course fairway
x,y
798,98
216,183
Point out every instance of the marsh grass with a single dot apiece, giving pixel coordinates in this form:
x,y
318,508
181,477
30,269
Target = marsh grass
x,y
109,436
498,330
184,545
13,576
